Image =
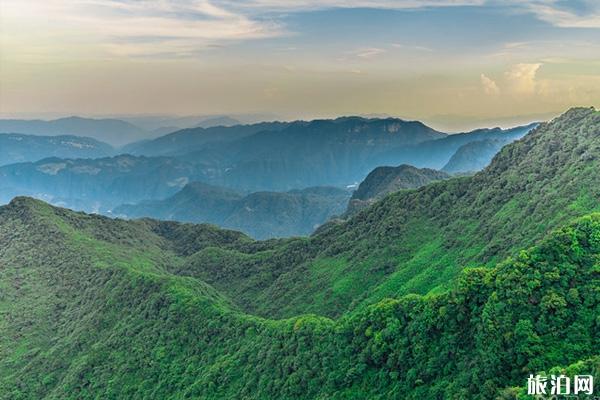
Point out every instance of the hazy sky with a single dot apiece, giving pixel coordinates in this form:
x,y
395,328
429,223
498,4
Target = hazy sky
x,y
453,64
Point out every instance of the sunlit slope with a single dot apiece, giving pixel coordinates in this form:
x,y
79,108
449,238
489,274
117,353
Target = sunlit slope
x,y
89,310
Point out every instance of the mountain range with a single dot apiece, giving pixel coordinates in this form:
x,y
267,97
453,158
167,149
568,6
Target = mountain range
x,y
155,122
321,152
436,154
113,131
116,131
97,185
261,215
418,241
457,289
16,148
337,152
183,141
76,172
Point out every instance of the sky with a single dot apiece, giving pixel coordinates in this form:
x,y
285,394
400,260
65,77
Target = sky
x,y
455,64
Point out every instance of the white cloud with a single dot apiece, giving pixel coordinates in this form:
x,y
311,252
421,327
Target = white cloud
x,y
561,16
557,13
304,5
412,47
369,52
146,27
520,78
489,86
136,27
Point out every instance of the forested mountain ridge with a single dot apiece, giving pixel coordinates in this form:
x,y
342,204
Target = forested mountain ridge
x,y
418,241
413,241
16,148
261,215
90,309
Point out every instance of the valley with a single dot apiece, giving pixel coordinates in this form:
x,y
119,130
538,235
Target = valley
x,y
392,300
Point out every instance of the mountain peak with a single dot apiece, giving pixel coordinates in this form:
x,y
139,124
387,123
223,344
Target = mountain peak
x,y
576,113
385,180
24,201
23,205
555,144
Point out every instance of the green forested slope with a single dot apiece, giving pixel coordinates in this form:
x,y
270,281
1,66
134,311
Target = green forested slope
x,y
89,311
418,241
94,308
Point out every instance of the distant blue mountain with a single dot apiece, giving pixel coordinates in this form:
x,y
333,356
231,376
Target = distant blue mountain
x,y
261,215
113,131
273,157
16,147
